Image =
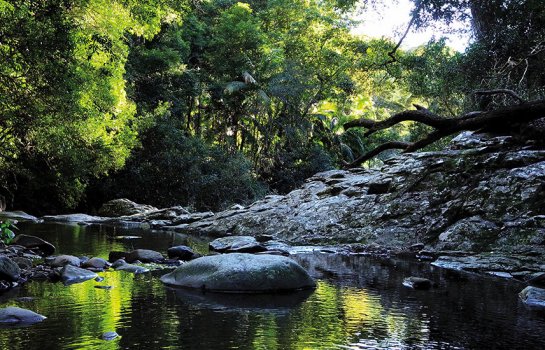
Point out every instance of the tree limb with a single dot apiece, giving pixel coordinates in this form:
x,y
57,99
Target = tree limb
x,y
500,91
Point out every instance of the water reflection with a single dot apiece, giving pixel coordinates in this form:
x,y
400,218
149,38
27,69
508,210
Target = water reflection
x,y
359,303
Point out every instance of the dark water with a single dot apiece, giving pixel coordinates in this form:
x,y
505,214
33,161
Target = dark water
x,y
360,303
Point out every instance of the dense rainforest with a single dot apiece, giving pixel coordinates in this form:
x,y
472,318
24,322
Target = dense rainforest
x,y
214,102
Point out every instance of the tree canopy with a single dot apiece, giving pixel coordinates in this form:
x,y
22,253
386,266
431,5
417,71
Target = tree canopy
x,y
209,95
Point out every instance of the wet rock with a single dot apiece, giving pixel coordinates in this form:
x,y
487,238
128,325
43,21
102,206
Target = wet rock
x,y
115,255
537,280
123,207
144,255
17,316
533,297
23,263
9,270
417,283
109,336
33,242
74,218
236,244
62,260
71,274
103,287
96,263
18,216
241,273
181,252
122,265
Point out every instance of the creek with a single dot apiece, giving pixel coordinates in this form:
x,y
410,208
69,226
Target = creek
x,y
359,303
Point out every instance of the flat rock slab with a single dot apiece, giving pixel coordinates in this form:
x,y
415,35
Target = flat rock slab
x,y
241,273
33,242
18,216
236,244
17,316
71,274
75,218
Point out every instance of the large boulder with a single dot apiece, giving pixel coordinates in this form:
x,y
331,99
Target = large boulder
x,y
33,242
16,316
123,207
71,274
236,244
9,270
144,255
240,272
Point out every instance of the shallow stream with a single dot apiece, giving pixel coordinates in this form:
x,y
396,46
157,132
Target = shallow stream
x,y
360,303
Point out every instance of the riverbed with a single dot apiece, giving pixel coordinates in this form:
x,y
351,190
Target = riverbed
x,y
359,303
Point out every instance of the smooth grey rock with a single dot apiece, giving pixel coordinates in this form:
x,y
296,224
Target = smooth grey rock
x,y
17,316
417,283
239,272
75,218
71,274
122,265
237,244
9,270
123,207
96,263
144,255
18,216
181,252
62,260
533,297
33,242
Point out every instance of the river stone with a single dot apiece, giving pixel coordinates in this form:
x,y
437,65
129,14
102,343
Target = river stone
x,y
116,255
144,255
96,263
14,315
109,335
181,252
23,263
122,265
33,242
240,272
61,260
236,244
17,216
533,297
9,270
417,283
123,207
74,218
71,274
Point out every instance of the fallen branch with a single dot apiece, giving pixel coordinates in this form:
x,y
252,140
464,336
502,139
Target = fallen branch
x,y
504,120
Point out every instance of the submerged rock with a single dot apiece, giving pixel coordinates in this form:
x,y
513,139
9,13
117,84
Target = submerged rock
x,y
533,297
33,242
236,244
71,274
239,272
417,283
16,316
122,265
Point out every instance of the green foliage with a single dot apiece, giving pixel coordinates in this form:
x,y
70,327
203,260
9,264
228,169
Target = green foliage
x,y
175,169
6,231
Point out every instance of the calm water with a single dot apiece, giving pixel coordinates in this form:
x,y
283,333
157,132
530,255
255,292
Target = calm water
x,y
360,303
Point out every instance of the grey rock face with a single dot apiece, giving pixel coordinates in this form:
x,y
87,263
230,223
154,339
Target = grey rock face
x,y
16,316
9,270
482,194
123,207
239,272
71,274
